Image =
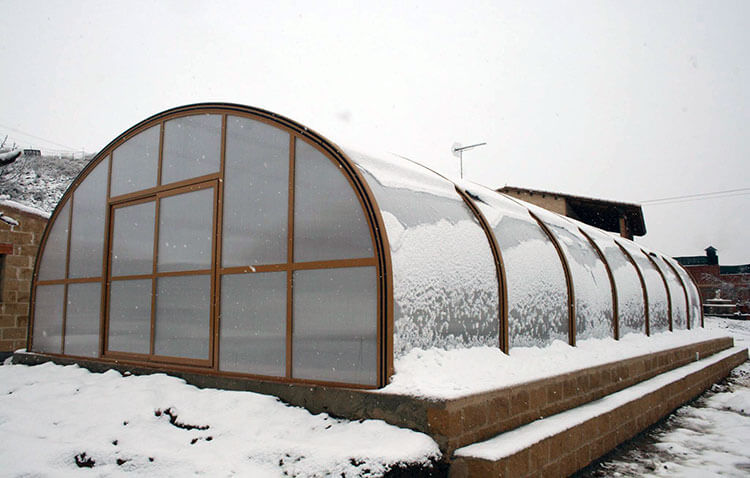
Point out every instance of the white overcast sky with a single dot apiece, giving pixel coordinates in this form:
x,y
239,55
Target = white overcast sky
x,y
622,100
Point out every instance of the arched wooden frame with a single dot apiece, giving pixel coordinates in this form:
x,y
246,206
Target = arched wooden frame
x,y
700,299
666,286
643,286
615,304
684,290
381,259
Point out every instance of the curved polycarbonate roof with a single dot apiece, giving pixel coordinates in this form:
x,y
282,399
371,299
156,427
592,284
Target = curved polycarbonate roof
x,y
226,239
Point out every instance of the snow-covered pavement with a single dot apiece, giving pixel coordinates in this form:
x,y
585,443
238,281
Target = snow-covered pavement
x,y
708,437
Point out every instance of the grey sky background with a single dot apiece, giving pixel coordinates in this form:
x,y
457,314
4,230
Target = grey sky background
x,y
623,100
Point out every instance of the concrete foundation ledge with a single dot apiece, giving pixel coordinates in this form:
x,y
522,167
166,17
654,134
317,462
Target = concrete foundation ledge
x,y
561,444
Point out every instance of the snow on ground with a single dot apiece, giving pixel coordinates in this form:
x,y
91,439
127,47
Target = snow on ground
x,y
708,437
53,417
443,374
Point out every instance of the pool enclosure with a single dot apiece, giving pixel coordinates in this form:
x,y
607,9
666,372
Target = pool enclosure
x,y
226,239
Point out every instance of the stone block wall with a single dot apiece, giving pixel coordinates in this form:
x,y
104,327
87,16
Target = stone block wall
x,y
18,248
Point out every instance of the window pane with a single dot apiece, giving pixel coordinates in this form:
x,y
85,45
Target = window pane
x,y
676,293
445,284
82,322
256,190
52,265
48,311
694,304
134,163
657,295
130,316
192,145
87,236
328,218
253,323
185,231
182,316
537,288
630,306
133,240
335,325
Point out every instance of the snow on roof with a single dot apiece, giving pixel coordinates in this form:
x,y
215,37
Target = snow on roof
x,y
24,208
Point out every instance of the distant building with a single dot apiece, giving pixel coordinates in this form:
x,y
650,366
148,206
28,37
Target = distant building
x,y
623,218
732,282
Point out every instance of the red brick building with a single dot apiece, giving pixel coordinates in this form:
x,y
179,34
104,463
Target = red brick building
x,y
21,229
732,282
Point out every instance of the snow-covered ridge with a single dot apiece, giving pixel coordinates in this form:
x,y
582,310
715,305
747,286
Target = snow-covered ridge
x,y
24,208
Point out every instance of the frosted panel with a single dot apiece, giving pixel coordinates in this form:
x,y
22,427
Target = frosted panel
x,y
630,304
52,265
537,290
445,285
676,294
256,190
133,239
186,231
182,316
592,288
130,316
335,325
657,294
134,163
694,304
87,235
82,319
48,312
328,219
253,323
192,146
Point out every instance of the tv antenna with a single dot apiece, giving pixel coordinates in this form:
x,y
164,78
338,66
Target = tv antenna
x,y
458,151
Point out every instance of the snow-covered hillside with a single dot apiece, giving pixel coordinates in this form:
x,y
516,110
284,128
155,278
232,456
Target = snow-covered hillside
x,y
39,181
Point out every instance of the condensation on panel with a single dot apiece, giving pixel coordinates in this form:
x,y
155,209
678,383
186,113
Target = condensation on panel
x,y
133,239
134,163
694,304
444,277
82,319
631,308
658,311
253,323
592,289
256,190
535,278
192,147
54,255
329,222
676,294
183,316
48,318
186,231
335,325
130,316
87,234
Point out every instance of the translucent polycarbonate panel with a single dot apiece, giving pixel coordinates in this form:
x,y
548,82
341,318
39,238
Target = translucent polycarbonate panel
x,y
694,303
183,316
130,316
186,231
82,322
335,325
253,323
54,254
591,285
676,293
445,285
535,279
192,147
87,234
658,313
328,219
133,239
256,194
631,309
135,162
48,318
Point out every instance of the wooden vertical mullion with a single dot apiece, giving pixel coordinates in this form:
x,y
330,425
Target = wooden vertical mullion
x,y
157,201
103,306
217,239
290,259
67,275
161,154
